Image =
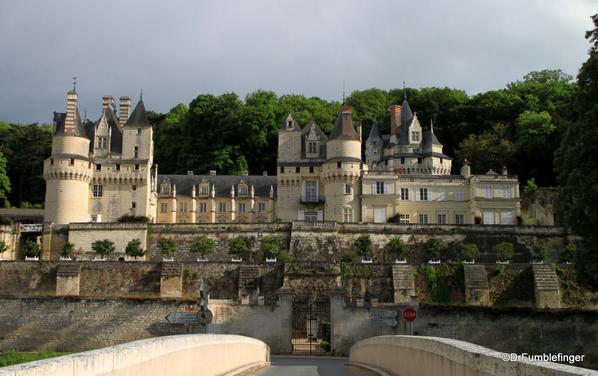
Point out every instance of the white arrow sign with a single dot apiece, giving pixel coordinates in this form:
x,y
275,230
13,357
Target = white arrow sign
x,y
383,313
183,318
384,322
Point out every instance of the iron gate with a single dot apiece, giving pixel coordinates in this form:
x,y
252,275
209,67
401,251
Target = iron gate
x,y
310,328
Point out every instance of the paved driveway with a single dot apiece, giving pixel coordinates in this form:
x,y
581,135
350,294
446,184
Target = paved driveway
x,y
311,367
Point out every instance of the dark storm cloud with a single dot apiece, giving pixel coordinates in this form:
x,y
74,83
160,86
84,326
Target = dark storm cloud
x,y
176,50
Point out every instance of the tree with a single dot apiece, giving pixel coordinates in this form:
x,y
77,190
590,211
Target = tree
x,y
238,247
489,150
103,247
32,249
504,251
4,183
432,249
568,254
538,252
530,187
203,245
166,246
364,246
397,247
3,247
271,246
133,249
470,251
576,163
67,250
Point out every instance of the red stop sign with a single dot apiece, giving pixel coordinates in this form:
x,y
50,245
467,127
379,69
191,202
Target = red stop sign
x,y
409,314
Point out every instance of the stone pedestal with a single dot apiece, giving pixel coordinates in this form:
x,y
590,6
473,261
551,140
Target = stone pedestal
x,y
285,305
68,279
546,286
477,290
403,283
171,283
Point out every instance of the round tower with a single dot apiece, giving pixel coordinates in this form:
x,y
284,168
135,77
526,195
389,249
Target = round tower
x,y
68,171
342,171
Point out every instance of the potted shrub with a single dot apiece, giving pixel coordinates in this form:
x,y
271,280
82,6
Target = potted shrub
x,y
32,250
538,253
504,252
398,249
349,256
271,247
102,248
66,251
133,249
3,248
239,248
432,249
470,252
203,246
567,254
364,248
167,247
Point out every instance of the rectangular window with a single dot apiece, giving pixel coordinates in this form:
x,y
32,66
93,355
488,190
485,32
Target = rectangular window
x,y
98,190
52,161
402,160
415,136
423,194
136,167
117,167
133,188
347,189
488,191
460,219
404,218
311,191
423,219
298,170
203,207
380,188
183,207
441,219
102,143
163,207
405,194
348,215
261,207
136,152
419,160
311,170
459,194
98,167
441,194
311,216
71,162
339,164
488,218
312,147
138,130
133,205
241,208
506,191
506,218
282,170
222,207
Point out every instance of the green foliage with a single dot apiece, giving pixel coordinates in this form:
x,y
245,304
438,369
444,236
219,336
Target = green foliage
x,y
132,219
432,249
325,345
166,246
534,130
103,247
271,246
349,256
491,149
133,249
568,254
504,251
4,221
238,247
500,269
397,247
188,275
31,249
3,246
539,252
4,182
364,246
531,186
203,245
10,357
67,250
470,251
326,331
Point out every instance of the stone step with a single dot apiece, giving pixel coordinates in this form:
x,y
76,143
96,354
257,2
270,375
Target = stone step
x,y
248,275
402,277
476,277
68,270
171,269
545,278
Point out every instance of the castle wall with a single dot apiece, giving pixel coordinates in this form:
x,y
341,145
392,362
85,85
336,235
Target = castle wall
x,y
66,201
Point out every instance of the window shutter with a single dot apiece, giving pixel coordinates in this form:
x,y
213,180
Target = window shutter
x,y
303,191
374,188
417,194
300,215
386,188
320,215
317,190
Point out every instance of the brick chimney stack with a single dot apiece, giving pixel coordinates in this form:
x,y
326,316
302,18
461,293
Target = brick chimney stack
x,y
395,119
108,102
124,111
347,121
71,112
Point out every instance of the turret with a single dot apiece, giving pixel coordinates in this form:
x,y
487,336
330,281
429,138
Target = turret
x,y
344,141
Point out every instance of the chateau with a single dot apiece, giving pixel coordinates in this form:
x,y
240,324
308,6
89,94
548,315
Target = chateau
x,y
102,170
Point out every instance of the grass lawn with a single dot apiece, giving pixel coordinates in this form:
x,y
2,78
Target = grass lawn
x,y
10,357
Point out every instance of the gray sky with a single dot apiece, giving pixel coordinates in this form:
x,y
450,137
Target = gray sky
x,y
178,49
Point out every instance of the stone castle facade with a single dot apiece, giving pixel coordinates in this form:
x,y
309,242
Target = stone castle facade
x,y
102,170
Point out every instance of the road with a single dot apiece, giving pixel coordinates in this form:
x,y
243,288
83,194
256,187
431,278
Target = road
x,y
312,367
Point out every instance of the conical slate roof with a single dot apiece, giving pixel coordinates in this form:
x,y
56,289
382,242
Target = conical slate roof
x,y
139,117
406,119
430,137
374,132
337,131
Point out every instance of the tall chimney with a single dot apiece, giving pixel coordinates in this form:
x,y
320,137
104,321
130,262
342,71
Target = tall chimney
x,y
395,119
71,111
124,111
108,102
466,169
346,119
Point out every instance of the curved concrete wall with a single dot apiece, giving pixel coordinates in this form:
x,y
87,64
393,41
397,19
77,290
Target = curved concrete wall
x,y
416,356
182,355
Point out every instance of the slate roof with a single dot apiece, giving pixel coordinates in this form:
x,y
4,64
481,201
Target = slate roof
x,y
337,131
429,138
184,183
321,136
406,120
60,118
138,117
374,132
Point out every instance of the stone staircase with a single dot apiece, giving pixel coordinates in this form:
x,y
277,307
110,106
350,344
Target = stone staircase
x,y
477,289
248,276
403,283
546,285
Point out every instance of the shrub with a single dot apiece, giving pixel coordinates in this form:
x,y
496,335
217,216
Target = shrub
x,y
103,247
67,250
568,253
500,269
4,221
133,219
271,246
238,247
470,251
203,245
364,245
133,249
530,186
397,247
32,249
284,256
432,248
504,251
166,246
349,256
538,252
3,246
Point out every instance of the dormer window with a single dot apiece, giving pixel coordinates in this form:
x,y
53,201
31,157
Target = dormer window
x,y
165,187
289,124
243,188
415,136
102,143
204,187
313,147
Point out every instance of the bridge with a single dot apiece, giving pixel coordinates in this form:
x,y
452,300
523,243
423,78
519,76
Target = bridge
x,y
230,355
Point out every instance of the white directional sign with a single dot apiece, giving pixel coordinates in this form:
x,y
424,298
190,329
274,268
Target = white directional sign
x,y
183,318
380,323
383,313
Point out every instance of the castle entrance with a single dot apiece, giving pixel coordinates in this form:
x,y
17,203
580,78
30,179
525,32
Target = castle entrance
x,y
311,326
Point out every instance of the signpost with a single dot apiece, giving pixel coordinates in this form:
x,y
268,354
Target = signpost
x,y
384,318
183,318
409,314
203,316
